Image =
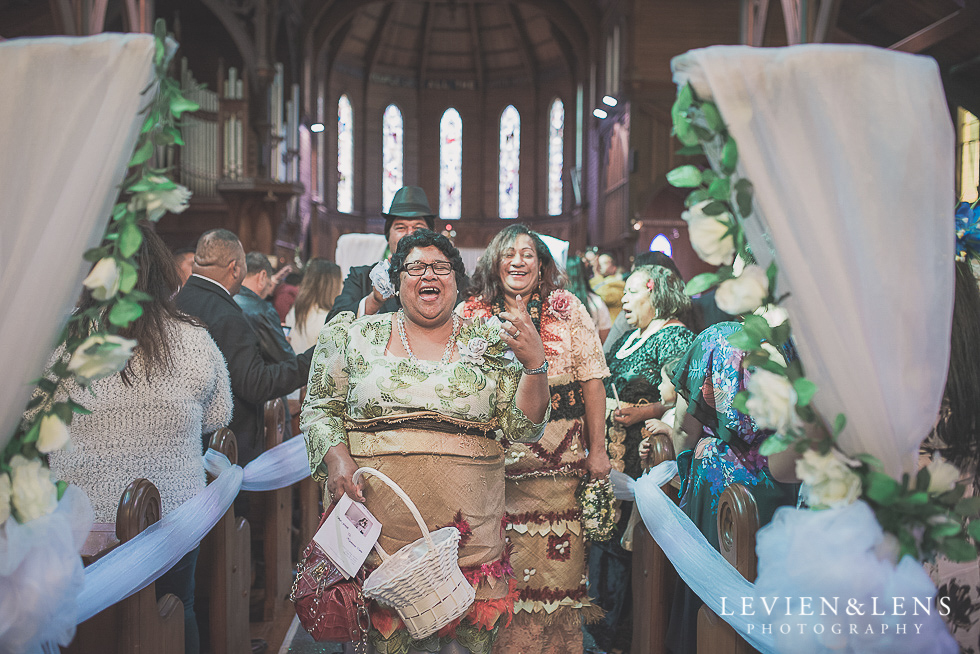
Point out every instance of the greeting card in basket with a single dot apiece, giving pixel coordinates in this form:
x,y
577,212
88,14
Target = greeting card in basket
x,y
347,535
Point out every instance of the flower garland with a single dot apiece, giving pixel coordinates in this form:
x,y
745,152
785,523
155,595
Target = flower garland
x,y
92,348
926,515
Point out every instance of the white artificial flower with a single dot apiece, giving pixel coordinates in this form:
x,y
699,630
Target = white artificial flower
x,y
104,279
830,481
708,235
381,279
100,356
5,493
744,293
53,434
33,493
942,475
157,203
772,401
473,351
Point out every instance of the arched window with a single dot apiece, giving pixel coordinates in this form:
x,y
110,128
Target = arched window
x,y
345,155
556,149
450,164
661,243
510,162
392,152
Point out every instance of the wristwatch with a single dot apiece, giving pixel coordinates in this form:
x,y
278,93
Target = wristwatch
x,y
536,371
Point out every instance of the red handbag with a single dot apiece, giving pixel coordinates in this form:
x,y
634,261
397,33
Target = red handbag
x,y
329,607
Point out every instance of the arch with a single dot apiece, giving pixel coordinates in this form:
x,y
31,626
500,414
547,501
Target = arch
x,y
392,154
509,166
450,164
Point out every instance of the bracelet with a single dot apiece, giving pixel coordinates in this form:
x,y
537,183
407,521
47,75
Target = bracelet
x,y
536,371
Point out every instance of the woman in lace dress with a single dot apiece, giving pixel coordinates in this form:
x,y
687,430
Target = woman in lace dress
x,y
543,516
426,397
652,302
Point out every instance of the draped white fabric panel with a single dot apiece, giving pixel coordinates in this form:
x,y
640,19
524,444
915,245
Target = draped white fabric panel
x,y
70,111
850,151
359,250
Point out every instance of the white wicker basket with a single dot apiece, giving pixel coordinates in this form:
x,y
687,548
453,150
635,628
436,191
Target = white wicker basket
x,y
422,580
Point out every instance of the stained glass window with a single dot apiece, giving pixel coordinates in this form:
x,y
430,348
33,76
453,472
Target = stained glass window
x,y
450,164
556,150
661,243
392,152
345,155
969,146
510,162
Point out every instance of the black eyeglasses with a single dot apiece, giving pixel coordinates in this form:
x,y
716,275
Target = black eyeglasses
x,y
417,268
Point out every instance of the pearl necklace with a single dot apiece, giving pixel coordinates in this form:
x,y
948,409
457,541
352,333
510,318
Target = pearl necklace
x,y
447,355
638,338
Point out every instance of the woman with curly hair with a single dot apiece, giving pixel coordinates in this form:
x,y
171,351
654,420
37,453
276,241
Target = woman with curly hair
x,y
543,518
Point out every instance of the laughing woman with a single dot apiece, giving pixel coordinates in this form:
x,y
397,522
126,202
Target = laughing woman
x,y
422,397
517,274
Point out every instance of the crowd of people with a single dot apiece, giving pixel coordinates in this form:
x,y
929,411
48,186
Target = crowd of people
x,y
490,400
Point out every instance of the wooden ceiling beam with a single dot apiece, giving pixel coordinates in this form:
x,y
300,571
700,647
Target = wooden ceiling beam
x,y
374,46
478,59
524,42
934,34
423,47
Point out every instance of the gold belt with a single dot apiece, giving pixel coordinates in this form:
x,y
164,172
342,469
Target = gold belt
x,y
422,433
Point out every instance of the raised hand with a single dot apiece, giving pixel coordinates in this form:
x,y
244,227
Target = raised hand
x,y
517,330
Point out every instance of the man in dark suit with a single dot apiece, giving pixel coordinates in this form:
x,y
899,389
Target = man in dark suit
x,y
260,281
409,211
219,269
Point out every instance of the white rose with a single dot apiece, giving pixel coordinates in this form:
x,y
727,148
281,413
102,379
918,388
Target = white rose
x,y
103,281
942,475
157,203
772,401
33,492
100,356
53,434
478,346
830,481
744,293
5,492
708,235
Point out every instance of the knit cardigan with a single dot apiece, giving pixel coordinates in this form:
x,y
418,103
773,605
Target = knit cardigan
x,y
151,429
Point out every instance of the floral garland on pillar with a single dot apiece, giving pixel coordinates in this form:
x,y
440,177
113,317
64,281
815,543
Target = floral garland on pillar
x,y
27,490
926,514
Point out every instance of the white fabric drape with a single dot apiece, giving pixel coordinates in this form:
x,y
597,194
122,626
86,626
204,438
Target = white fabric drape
x,y
359,250
850,151
70,115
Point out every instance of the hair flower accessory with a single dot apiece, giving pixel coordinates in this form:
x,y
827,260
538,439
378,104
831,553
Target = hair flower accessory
x,y
479,344
967,231
560,303
381,279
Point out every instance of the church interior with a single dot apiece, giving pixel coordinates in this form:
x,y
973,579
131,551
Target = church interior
x,y
551,113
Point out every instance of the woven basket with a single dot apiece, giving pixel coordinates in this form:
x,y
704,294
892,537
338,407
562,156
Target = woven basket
x,y
421,581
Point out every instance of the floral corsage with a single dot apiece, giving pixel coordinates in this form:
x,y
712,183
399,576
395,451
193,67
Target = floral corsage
x,y
479,343
596,498
560,303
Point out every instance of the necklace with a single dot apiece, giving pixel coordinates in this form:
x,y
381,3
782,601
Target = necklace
x,y
447,355
638,338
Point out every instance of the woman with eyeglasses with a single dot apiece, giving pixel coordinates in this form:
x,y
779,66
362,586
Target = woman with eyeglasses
x,y
517,274
426,397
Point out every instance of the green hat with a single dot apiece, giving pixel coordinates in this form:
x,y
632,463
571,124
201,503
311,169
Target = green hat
x,y
409,202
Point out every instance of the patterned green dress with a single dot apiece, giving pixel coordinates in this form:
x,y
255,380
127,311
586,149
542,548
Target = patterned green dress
x,y
434,429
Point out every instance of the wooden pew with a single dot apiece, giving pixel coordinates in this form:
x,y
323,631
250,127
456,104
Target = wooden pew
x,y
224,571
139,623
654,576
738,522
272,525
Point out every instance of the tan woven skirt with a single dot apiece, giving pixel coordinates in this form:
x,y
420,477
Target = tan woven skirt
x,y
453,479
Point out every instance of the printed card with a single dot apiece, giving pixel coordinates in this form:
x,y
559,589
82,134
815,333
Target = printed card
x,y
348,535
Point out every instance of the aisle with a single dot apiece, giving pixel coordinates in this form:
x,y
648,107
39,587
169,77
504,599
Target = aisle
x,y
298,641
